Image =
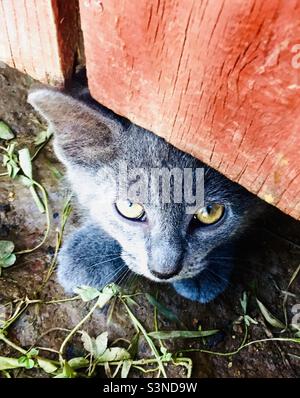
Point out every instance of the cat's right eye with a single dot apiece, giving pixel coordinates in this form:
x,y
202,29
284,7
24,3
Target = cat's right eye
x,y
210,214
129,210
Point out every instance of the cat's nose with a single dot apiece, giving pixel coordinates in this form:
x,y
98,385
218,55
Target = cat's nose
x,y
165,258
164,275
167,267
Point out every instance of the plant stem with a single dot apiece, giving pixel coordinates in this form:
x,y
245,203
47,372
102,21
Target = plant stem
x,y
285,298
147,338
62,300
243,346
75,329
11,344
19,310
45,202
67,209
39,149
37,199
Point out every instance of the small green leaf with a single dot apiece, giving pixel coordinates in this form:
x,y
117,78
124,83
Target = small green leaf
x,y
9,169
244,303
126,368
101,343
27,182
5,131
5,160
14,170
42,137
11,149
6,248
181,334
67,372
114,354
10,161
8,261
30,363
167,356
134,346
46,365
32,353
10,363
97,346
248,320
87,293
25,162
27,362
7,258
271,319
166,312
107,293
22,359
89,343
79,362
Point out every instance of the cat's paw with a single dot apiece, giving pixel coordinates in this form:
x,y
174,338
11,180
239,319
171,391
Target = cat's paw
x,y
206,286
89,257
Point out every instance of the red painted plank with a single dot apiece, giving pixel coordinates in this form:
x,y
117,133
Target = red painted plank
x,y
39,37
215,78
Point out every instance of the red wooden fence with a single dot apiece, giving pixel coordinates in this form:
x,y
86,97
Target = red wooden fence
x,y
40,37
218,79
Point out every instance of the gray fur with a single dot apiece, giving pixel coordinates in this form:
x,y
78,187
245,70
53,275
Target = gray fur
x,y
91,144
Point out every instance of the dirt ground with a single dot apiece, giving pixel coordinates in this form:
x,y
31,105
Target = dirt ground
x,y
270,253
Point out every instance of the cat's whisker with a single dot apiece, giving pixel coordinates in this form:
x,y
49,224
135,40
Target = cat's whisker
x,y
117,253
108,258
134,277
219,276
97,264
113,276
111,259
113,272
131,278
124,277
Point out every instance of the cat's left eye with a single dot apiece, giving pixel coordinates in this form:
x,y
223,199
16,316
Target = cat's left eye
x,y
210,214
130,210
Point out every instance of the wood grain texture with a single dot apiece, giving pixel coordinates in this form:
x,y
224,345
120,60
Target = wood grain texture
x,y
218,79
39,37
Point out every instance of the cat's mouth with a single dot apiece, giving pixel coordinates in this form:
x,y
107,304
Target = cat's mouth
x,y
141,268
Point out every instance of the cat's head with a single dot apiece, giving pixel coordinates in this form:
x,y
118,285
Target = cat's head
x,y
160,239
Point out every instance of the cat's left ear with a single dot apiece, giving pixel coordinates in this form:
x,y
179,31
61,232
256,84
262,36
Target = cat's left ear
x,y
83,136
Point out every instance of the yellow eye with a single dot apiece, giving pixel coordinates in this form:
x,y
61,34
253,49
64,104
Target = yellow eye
x,y
210,214
132,211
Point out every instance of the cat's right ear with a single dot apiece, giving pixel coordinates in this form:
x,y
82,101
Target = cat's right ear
x,y
82,135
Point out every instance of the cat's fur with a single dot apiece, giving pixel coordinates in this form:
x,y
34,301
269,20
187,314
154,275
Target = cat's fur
x,y
89,139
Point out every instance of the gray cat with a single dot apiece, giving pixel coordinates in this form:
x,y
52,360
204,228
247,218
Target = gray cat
x,y
160,241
